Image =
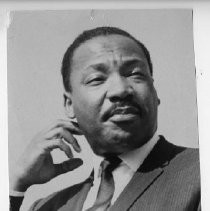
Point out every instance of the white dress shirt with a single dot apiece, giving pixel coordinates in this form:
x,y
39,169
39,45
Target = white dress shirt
x,y
122,175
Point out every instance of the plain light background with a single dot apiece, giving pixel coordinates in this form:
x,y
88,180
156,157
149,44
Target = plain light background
x,y
36,44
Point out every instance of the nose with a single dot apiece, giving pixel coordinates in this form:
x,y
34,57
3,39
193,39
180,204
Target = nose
x,y
119,88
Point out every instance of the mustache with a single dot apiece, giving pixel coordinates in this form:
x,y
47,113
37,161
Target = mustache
x,y
123,108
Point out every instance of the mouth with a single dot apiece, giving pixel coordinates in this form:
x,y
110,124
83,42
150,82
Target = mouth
x,y
123,114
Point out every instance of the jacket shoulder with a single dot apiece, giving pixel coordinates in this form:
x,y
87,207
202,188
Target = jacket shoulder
x,y
57,199
188,158
184,168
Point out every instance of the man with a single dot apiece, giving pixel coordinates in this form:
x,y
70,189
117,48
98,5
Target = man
x,y
109,91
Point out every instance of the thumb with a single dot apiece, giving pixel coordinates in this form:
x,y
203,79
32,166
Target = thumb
x,y
67,166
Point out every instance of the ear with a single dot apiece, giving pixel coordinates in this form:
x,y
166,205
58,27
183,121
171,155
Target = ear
x,y
69,111
158,101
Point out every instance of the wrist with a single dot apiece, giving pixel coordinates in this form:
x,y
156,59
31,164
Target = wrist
x,y
14,193
18,184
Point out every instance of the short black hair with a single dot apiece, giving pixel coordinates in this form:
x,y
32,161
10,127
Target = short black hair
x,y
88,35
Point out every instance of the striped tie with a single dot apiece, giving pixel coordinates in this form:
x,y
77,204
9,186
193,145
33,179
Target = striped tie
x,y
106,188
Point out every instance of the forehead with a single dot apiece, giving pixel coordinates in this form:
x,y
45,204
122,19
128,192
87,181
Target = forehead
x,y
104,48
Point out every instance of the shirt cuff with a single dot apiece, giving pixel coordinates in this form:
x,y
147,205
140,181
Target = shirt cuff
x,y
16,193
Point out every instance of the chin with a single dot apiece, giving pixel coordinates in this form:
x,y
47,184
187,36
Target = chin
x,y
116,144
120,139
110,150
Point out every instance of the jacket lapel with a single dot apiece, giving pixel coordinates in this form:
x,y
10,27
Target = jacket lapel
x,y
137,186
76,203
147,174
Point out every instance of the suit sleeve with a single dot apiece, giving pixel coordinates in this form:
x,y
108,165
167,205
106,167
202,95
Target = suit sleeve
x,y
15,203
199,207
34,205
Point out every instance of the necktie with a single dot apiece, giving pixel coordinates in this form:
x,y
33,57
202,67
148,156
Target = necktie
x,y
106,188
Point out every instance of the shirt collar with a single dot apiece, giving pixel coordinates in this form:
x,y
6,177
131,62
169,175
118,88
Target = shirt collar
x,y
134,159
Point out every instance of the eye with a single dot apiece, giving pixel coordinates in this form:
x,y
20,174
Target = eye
x,y
94,80
137,73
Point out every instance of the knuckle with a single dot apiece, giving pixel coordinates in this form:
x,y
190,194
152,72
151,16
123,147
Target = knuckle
x,y
53,124
60,130
56,124
57,141
74,140
63,144
42,148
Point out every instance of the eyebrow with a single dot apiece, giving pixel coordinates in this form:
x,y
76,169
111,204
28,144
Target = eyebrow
x,y
133,61
126,61
99,66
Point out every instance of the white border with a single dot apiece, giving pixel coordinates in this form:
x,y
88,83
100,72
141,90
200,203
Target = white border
x,y
201,16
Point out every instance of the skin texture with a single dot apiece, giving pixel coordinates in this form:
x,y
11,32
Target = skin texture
x,y
112,97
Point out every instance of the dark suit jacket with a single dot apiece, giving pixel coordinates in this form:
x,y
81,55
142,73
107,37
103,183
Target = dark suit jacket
x,y
168,180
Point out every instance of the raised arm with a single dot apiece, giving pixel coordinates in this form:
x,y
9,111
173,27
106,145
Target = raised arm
x,y
35,166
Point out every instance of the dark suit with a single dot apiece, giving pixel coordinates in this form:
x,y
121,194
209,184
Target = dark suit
x,y
168,180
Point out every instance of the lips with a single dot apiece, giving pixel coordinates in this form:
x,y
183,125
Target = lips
x,y
124,110
122,113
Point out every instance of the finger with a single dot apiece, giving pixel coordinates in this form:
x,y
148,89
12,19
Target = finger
x,y
63,133
67,166
55,144
71,140
54,133
71,126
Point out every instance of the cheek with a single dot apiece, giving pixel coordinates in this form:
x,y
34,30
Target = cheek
x,y
86,105
147,96
152,102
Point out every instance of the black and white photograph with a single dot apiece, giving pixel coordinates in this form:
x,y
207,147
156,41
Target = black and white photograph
x,y
102,111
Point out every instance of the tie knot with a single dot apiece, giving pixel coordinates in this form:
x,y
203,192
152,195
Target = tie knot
x,y
110,163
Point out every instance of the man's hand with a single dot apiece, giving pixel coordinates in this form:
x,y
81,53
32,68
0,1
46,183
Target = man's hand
x,y
36,166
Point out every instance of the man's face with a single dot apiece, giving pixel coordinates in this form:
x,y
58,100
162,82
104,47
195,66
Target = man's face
x,y
112,95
